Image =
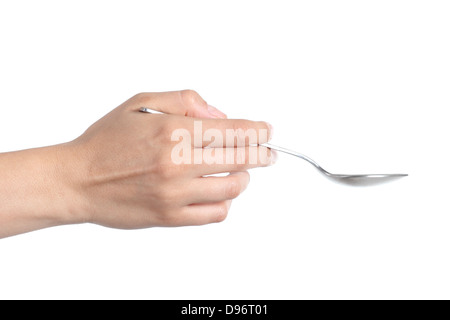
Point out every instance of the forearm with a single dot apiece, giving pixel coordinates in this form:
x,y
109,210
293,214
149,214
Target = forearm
x,y
33,191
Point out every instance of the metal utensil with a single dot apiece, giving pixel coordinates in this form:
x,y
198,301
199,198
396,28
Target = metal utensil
x,y
350,179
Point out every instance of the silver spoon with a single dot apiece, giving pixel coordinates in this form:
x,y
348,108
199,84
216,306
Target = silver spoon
x,y
350,179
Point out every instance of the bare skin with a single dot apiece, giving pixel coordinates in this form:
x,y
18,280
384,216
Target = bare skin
x,y
119,173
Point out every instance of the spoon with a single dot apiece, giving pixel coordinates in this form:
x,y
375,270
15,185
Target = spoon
x,y
349,179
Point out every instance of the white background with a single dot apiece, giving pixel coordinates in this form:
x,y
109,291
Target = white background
x,y
360,86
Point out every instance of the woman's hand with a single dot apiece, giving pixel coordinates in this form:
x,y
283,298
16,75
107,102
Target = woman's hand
x,y
125,170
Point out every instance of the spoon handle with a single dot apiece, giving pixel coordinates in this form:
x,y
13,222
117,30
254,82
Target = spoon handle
x,y
293,153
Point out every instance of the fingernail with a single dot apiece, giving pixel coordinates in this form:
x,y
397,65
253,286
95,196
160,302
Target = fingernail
x,y
274,157
216,113
270,131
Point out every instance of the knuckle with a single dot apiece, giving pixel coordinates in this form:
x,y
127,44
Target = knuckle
x,y
191,98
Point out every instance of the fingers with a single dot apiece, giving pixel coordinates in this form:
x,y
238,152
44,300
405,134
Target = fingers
x,y
217,189
218,133
220,160
229,133
211,128
200,214
186,102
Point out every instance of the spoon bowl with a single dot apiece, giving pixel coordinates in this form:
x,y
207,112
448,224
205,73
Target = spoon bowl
x,y
349,179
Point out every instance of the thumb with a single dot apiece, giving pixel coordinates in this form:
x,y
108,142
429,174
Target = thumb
x,y
186,102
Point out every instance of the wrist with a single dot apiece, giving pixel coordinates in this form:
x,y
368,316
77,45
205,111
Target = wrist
x,y
67,171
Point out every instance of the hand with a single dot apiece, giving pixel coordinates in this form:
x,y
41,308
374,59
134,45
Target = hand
x,y
124,175
121,172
